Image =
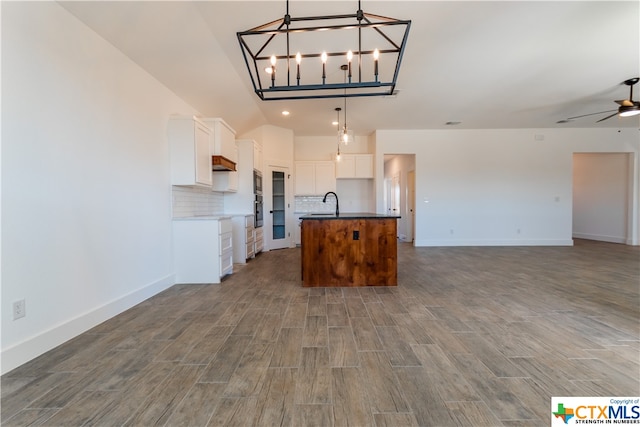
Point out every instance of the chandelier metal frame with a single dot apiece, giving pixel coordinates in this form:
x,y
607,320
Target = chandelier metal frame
x,y
257,56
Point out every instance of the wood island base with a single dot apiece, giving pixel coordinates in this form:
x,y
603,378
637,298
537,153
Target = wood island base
x,y
350,250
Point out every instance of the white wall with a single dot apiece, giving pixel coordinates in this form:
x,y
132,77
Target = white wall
x,y
86,198
600,196
499,187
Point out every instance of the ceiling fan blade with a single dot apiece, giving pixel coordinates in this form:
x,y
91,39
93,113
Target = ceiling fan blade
x,y
608,117
625,102
592,114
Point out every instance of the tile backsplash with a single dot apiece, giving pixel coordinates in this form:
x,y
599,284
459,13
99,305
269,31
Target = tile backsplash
x,y
313,204
194,201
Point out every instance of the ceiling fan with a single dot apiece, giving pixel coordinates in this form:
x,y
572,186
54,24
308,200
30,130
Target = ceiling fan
x,y
628,107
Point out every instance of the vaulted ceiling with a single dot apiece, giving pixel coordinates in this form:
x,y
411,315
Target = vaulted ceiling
x,y
502,64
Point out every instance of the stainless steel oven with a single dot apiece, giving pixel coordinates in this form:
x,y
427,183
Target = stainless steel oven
x,y
257,211
257,182
257,204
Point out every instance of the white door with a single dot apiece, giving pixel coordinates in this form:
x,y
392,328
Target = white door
x,y
387,195
395,194
277,201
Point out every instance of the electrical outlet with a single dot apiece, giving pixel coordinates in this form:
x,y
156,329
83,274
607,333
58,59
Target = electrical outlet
x,y
19,309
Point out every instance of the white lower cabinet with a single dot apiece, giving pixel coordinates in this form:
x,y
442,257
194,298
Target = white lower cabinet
x,y
243,238
226,250
202,249
259,238
298,229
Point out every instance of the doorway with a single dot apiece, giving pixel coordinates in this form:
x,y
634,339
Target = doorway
x,y
400,192
278,206
602,187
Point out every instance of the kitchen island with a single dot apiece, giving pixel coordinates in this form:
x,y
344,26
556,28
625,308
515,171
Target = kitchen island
x,y
349,249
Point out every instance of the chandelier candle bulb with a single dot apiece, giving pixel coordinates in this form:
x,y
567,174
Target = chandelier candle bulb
x,y
273,70
376,55
298,60
324,67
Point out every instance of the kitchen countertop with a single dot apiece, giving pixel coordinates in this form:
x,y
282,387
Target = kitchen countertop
x,y
202,218
348,215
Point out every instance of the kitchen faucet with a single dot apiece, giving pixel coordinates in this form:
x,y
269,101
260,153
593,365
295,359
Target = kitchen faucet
x,y
324,200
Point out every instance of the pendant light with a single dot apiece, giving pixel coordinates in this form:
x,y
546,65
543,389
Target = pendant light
x,y
338,109
344,132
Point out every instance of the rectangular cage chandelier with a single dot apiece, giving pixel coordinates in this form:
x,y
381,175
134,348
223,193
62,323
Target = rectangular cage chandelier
x,y
331,56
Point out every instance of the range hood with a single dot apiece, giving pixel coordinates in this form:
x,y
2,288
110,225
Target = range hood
x,y
222,164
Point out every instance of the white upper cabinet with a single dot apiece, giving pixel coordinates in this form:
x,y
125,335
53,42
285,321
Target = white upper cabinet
x,y
355,166
314,178
223,143
325,175
226,181
257,156
189,151
346,166
223,139
305,178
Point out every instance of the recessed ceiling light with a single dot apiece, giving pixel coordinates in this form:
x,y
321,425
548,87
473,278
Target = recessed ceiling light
x,y
334,123
285,113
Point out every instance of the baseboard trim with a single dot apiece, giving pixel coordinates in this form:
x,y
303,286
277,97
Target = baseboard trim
x,y
600,237
511,242
33,347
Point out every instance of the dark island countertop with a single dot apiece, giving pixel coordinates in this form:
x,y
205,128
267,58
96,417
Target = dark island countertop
x,y
348,215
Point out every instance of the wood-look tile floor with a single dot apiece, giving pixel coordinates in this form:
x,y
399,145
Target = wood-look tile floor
x,y
470,337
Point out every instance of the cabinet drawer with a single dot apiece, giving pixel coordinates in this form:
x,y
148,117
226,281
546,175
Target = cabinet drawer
x,y
250,250
226,243
259,233
226,264
226,225
248,221
249,237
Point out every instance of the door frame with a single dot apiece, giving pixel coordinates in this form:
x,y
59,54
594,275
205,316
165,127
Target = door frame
x,y
270,243
411,205
631,223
